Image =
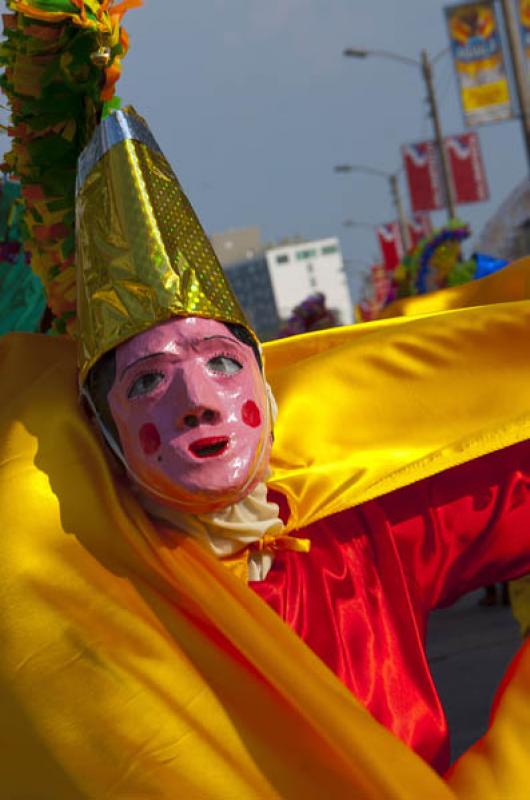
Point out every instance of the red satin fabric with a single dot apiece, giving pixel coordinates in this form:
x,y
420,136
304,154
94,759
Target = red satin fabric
x,y
361,598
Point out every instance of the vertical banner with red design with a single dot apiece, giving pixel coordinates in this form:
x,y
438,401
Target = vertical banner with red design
x,y
479,62
391,244
467,168
524,22
466,172
423,176
420,226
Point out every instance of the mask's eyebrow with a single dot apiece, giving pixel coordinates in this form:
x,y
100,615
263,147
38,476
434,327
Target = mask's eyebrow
x,y
194,343
138,360
219,336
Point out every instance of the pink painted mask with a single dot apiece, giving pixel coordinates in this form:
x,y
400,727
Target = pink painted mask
x,y
191,409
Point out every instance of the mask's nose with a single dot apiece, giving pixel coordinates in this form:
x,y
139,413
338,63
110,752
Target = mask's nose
x,y
198,404
199,416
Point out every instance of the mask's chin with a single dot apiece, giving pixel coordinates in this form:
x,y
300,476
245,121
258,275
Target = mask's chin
x,y
163,490
176,497
192,503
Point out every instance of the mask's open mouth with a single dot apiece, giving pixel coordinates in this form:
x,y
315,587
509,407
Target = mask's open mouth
x,y
209,447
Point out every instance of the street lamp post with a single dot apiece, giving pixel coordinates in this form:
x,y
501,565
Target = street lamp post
x,y
426,70
425,66
392,178
396,196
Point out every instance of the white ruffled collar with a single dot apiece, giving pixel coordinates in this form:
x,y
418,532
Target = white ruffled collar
x,y
228,530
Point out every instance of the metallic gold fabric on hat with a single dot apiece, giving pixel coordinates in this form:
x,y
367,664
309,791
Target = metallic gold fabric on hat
x,y
143,256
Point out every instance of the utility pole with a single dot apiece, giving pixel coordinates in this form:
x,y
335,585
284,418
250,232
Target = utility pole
x,y
425,64
398,203
392,178
519,72
426,69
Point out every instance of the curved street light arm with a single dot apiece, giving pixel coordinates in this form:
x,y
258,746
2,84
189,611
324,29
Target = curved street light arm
x,y
361,168
350,223
382,173
353,52
371,171
440,55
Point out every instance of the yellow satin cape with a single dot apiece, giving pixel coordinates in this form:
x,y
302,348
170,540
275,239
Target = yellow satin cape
x,y
510,283
136,667
368,409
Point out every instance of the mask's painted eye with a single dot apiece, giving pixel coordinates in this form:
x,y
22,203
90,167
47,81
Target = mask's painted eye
x,y
224,365
145,384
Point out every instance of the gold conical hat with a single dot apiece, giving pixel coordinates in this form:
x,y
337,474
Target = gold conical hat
x,y
142,254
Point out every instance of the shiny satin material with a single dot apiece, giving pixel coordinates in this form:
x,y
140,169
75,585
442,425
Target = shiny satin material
x,y
397,400
132,664
497,766
510,283
142,255
137,666
362,595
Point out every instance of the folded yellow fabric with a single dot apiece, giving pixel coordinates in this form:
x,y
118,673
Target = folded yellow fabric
x,y
367,409
510,283
137,667
498,765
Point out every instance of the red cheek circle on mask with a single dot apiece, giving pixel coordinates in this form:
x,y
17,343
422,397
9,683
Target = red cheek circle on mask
x,y
149,438
250,414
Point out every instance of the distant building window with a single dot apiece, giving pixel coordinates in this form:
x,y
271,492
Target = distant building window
x,y
303,254
329,249
282,259
313,283
310,268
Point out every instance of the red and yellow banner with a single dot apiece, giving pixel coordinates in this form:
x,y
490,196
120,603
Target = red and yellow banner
x,y
479,62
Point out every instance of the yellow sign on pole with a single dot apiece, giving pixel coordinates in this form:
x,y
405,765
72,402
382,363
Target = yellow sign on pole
x,y
479,62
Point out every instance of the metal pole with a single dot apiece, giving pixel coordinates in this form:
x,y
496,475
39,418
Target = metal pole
x,y
426,70
519,72
398,203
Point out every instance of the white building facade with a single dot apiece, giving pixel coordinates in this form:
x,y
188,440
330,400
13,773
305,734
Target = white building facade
x,y
298,270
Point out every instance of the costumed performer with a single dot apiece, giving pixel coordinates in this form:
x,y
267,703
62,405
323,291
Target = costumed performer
x,y
134,661
183,406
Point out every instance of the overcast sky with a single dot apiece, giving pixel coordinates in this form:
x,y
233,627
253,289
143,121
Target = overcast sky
x,y
253,103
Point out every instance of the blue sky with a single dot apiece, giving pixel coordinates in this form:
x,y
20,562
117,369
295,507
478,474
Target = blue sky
x,y
254,103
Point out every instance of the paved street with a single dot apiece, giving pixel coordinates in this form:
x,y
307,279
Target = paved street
x,y
469,649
